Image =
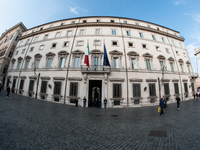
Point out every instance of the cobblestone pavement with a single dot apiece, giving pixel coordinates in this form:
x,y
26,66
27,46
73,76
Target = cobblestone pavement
x,y
27,123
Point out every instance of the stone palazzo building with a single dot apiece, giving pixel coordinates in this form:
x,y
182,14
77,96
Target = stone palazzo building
x,y
147,61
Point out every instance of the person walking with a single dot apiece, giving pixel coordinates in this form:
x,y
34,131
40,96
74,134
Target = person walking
x,y
105,102
84,101
12,92
161,106
76,101
178,102
0,86
8,91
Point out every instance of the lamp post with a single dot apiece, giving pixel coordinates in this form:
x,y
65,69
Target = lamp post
x,y
163,69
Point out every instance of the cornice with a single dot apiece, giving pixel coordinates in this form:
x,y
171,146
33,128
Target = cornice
x,y
90,24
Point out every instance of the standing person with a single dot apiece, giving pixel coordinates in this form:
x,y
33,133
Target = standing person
x,y
84,101
105,102
197,95
161,106
76,101
99,103
178,102
8,91
12,92
194,95
95,102
0,86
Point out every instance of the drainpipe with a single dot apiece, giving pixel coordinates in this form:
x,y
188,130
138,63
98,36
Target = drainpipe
x,y
69,62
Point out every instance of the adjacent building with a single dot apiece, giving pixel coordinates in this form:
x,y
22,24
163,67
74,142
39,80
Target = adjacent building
x,y
147,61
8,42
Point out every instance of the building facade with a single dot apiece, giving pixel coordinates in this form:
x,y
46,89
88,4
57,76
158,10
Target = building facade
x,y
147,61
8,42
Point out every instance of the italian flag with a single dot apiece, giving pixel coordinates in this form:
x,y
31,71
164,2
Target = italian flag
x,y
86,61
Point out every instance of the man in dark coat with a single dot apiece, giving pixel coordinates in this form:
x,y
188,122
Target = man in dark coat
x,y
84,101
105,102
76,101
161,106
178,102
197,96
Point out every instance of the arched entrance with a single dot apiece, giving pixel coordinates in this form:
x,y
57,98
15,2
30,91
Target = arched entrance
x,y
94,92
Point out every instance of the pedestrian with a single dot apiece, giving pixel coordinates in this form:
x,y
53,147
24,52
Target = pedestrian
x,y
197,95
165,102
8,91
99,103
12,92
105,102
0,86
84,101
95,102
178,102
76,101
194,95
161,106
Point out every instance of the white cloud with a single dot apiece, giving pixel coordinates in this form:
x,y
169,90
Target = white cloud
x,y
179,2
74,10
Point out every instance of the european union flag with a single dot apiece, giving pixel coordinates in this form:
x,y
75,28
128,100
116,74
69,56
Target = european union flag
x,y
105,60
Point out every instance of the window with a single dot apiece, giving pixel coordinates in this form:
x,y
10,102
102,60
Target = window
x,y
128,33
43,87
12,65
148,26
57,88
84,21
62,24
152,89
167,50
137,24
136,90
21,85
177,53
130,44
17,38
188,68
36,63
31,84
148,64
114,32
10,54
157,48
141,34
154,37
180,45
16,52
14,82
18,65
69,33
80,43
95,63
116,62
172,66
41,29
117,90
41,47
133,63
114,43
184,55
166,87
98,20
76,62
161,65
49,60
31,49
20,44
36,38
97,31
73,22
73,89
57,34
144,46
173,43
163,39
45,36
50,26
81,31
176,89
96,42
158,29
181,65
53,45
125,22
23,51
5,40
26,64
61,62
186,89
66,44
112,21
11,37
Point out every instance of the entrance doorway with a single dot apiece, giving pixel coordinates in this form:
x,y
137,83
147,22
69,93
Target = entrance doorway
x,y
94,91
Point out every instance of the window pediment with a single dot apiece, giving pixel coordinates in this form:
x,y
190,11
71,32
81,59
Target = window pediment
x,y
161,57
180,60
13,60
188,62
20,58
63,53
38,56
95,51
171,59
50,54
28,57
115,52
132,53
147,55
78,52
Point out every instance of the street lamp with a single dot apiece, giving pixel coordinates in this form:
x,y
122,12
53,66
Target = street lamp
x,y
163,69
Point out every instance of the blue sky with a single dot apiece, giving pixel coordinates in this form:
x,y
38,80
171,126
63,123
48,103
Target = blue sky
x,y
180,15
